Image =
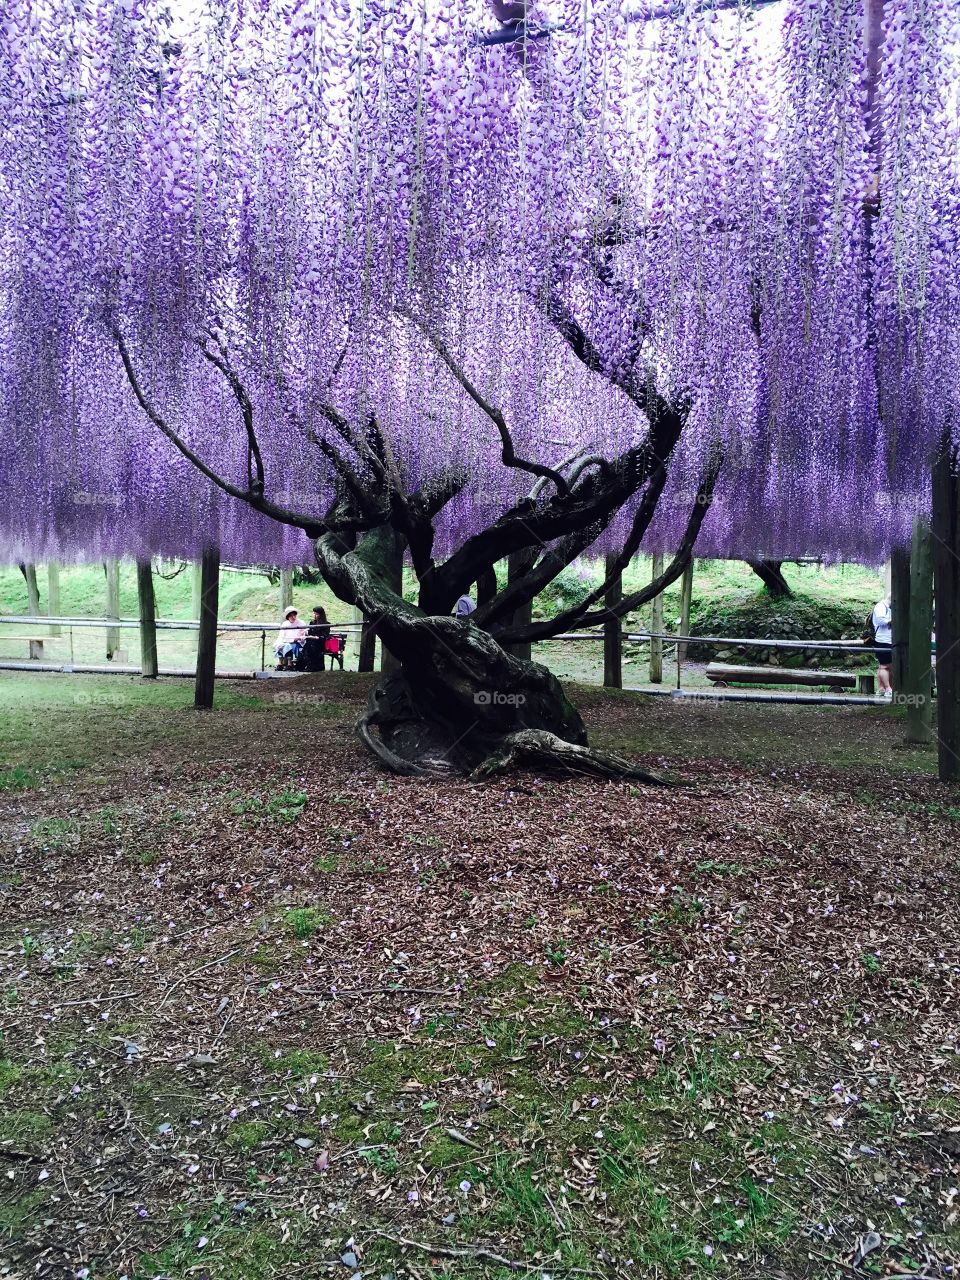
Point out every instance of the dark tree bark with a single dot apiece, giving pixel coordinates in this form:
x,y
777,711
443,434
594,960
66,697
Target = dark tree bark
x,y
946,572
486,586
519,564
900,610
393,567
612,630
459,703
919,684
149,667
207,643
770,574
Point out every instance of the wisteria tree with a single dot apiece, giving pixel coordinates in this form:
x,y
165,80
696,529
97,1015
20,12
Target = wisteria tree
x,y
451,286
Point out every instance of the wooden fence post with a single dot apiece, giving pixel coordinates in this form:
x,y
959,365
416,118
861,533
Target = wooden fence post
x,y
946,572
195,590
919,683
149,666
900,611
29,572
656,624
53,594
686,599
207,642
286,589
612,631
367,647
112,570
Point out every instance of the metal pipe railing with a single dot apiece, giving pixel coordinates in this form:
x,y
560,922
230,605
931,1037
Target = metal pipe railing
x,y
182,624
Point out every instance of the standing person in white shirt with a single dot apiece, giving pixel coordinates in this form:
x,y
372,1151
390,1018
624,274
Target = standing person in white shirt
x,y
882,626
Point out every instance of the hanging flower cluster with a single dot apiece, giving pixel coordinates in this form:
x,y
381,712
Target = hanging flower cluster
x,y
753,213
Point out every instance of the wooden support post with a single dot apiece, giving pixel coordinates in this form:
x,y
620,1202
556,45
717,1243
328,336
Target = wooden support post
x,y
368,646
656,624
53,594
518,562
149,666
195,590
286,589
207,644
686,599
613,632
946,574
919,686
900,610
112,570
29,572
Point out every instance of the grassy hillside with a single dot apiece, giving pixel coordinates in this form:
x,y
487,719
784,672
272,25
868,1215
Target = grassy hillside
x,y
728,599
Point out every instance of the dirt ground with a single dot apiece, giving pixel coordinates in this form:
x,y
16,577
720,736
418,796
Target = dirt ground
x,y
268,1012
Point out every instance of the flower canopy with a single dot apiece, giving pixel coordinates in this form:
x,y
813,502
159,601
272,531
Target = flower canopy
x,y
759,207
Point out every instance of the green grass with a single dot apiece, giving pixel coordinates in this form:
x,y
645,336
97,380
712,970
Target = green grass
x,y
54,834
247,1135
299,1063
287,806
9,1075
24,1126
304,922
137,717
222,1242
18,778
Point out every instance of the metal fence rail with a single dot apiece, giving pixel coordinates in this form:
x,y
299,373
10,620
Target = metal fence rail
x,y
670,639
181,624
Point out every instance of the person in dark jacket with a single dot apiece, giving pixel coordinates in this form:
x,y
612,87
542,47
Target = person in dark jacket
x,y
318,633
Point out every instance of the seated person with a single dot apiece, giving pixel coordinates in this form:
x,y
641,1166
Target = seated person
x,y
290,639
318,633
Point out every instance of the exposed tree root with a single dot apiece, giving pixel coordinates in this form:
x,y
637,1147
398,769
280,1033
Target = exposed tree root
x,y
460,704
410,736
535,748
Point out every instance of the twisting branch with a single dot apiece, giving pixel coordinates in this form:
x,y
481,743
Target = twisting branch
x,y
533,582
312,525
701,505
545,630
555,558
254,459
508,453
341,426
594,502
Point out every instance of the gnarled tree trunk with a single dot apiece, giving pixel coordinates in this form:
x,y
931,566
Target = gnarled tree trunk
x,y
458,702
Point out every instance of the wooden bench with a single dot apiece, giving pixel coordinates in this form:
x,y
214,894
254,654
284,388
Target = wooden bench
x,y
35,643
725,673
